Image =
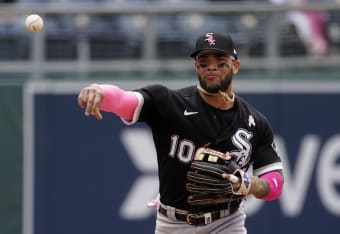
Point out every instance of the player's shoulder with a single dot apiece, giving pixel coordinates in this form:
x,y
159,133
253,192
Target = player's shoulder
x,y
153,88
187,91
248,109
153,91
159,89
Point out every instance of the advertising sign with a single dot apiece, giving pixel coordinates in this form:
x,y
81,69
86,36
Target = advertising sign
x,y
87,176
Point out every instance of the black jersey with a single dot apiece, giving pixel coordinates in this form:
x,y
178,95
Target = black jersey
x,y
181,122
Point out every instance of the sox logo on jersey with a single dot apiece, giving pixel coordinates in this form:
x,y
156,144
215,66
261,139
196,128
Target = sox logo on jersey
x,y
241,140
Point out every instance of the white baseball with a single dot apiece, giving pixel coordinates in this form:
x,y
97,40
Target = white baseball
x,y
34,23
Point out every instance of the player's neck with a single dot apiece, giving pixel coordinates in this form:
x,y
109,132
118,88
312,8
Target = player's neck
x,y
220,100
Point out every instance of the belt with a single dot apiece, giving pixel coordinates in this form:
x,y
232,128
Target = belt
x,y
198,218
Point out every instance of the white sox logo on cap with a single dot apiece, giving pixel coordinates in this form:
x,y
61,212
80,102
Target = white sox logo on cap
x,y
209,37
222,43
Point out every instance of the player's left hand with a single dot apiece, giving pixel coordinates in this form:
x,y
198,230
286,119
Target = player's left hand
x,y
234,180
215,178
240,181
90,98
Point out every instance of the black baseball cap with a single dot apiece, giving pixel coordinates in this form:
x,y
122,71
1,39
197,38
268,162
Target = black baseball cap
x,y
215,41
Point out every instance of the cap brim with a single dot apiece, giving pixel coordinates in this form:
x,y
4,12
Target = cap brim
x,y
210,50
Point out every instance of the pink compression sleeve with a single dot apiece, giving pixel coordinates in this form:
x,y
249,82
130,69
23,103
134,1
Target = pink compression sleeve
x,y
275,183
118,101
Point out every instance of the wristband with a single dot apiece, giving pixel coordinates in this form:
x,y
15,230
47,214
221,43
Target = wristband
x,y
118,101
275,183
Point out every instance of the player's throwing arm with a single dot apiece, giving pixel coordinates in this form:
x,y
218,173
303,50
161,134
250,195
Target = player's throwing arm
x,y
90,98
109,98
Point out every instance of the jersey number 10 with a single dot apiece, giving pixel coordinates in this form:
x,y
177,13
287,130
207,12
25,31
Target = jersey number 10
x,y
182,149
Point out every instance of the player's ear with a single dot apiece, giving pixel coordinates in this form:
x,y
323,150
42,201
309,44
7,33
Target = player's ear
x,y
236,66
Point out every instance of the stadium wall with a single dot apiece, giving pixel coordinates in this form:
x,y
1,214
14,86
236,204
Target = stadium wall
x,y
64,173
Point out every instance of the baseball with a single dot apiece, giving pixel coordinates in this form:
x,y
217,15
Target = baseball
x,y
34,23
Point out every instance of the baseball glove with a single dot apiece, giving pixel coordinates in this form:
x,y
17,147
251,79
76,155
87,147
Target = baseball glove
x,y
206,185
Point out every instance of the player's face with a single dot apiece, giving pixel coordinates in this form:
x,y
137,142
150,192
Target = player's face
x,y
215,71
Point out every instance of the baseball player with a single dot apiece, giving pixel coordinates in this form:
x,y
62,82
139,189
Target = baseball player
x,y
208,114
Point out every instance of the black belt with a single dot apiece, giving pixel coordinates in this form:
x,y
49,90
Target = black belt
x,y
198,219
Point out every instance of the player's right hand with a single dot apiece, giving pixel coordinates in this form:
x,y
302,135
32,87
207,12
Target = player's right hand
x,y
90,98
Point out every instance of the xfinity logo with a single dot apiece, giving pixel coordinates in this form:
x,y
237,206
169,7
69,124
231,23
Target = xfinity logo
x,y
298,176
312,157
140,147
